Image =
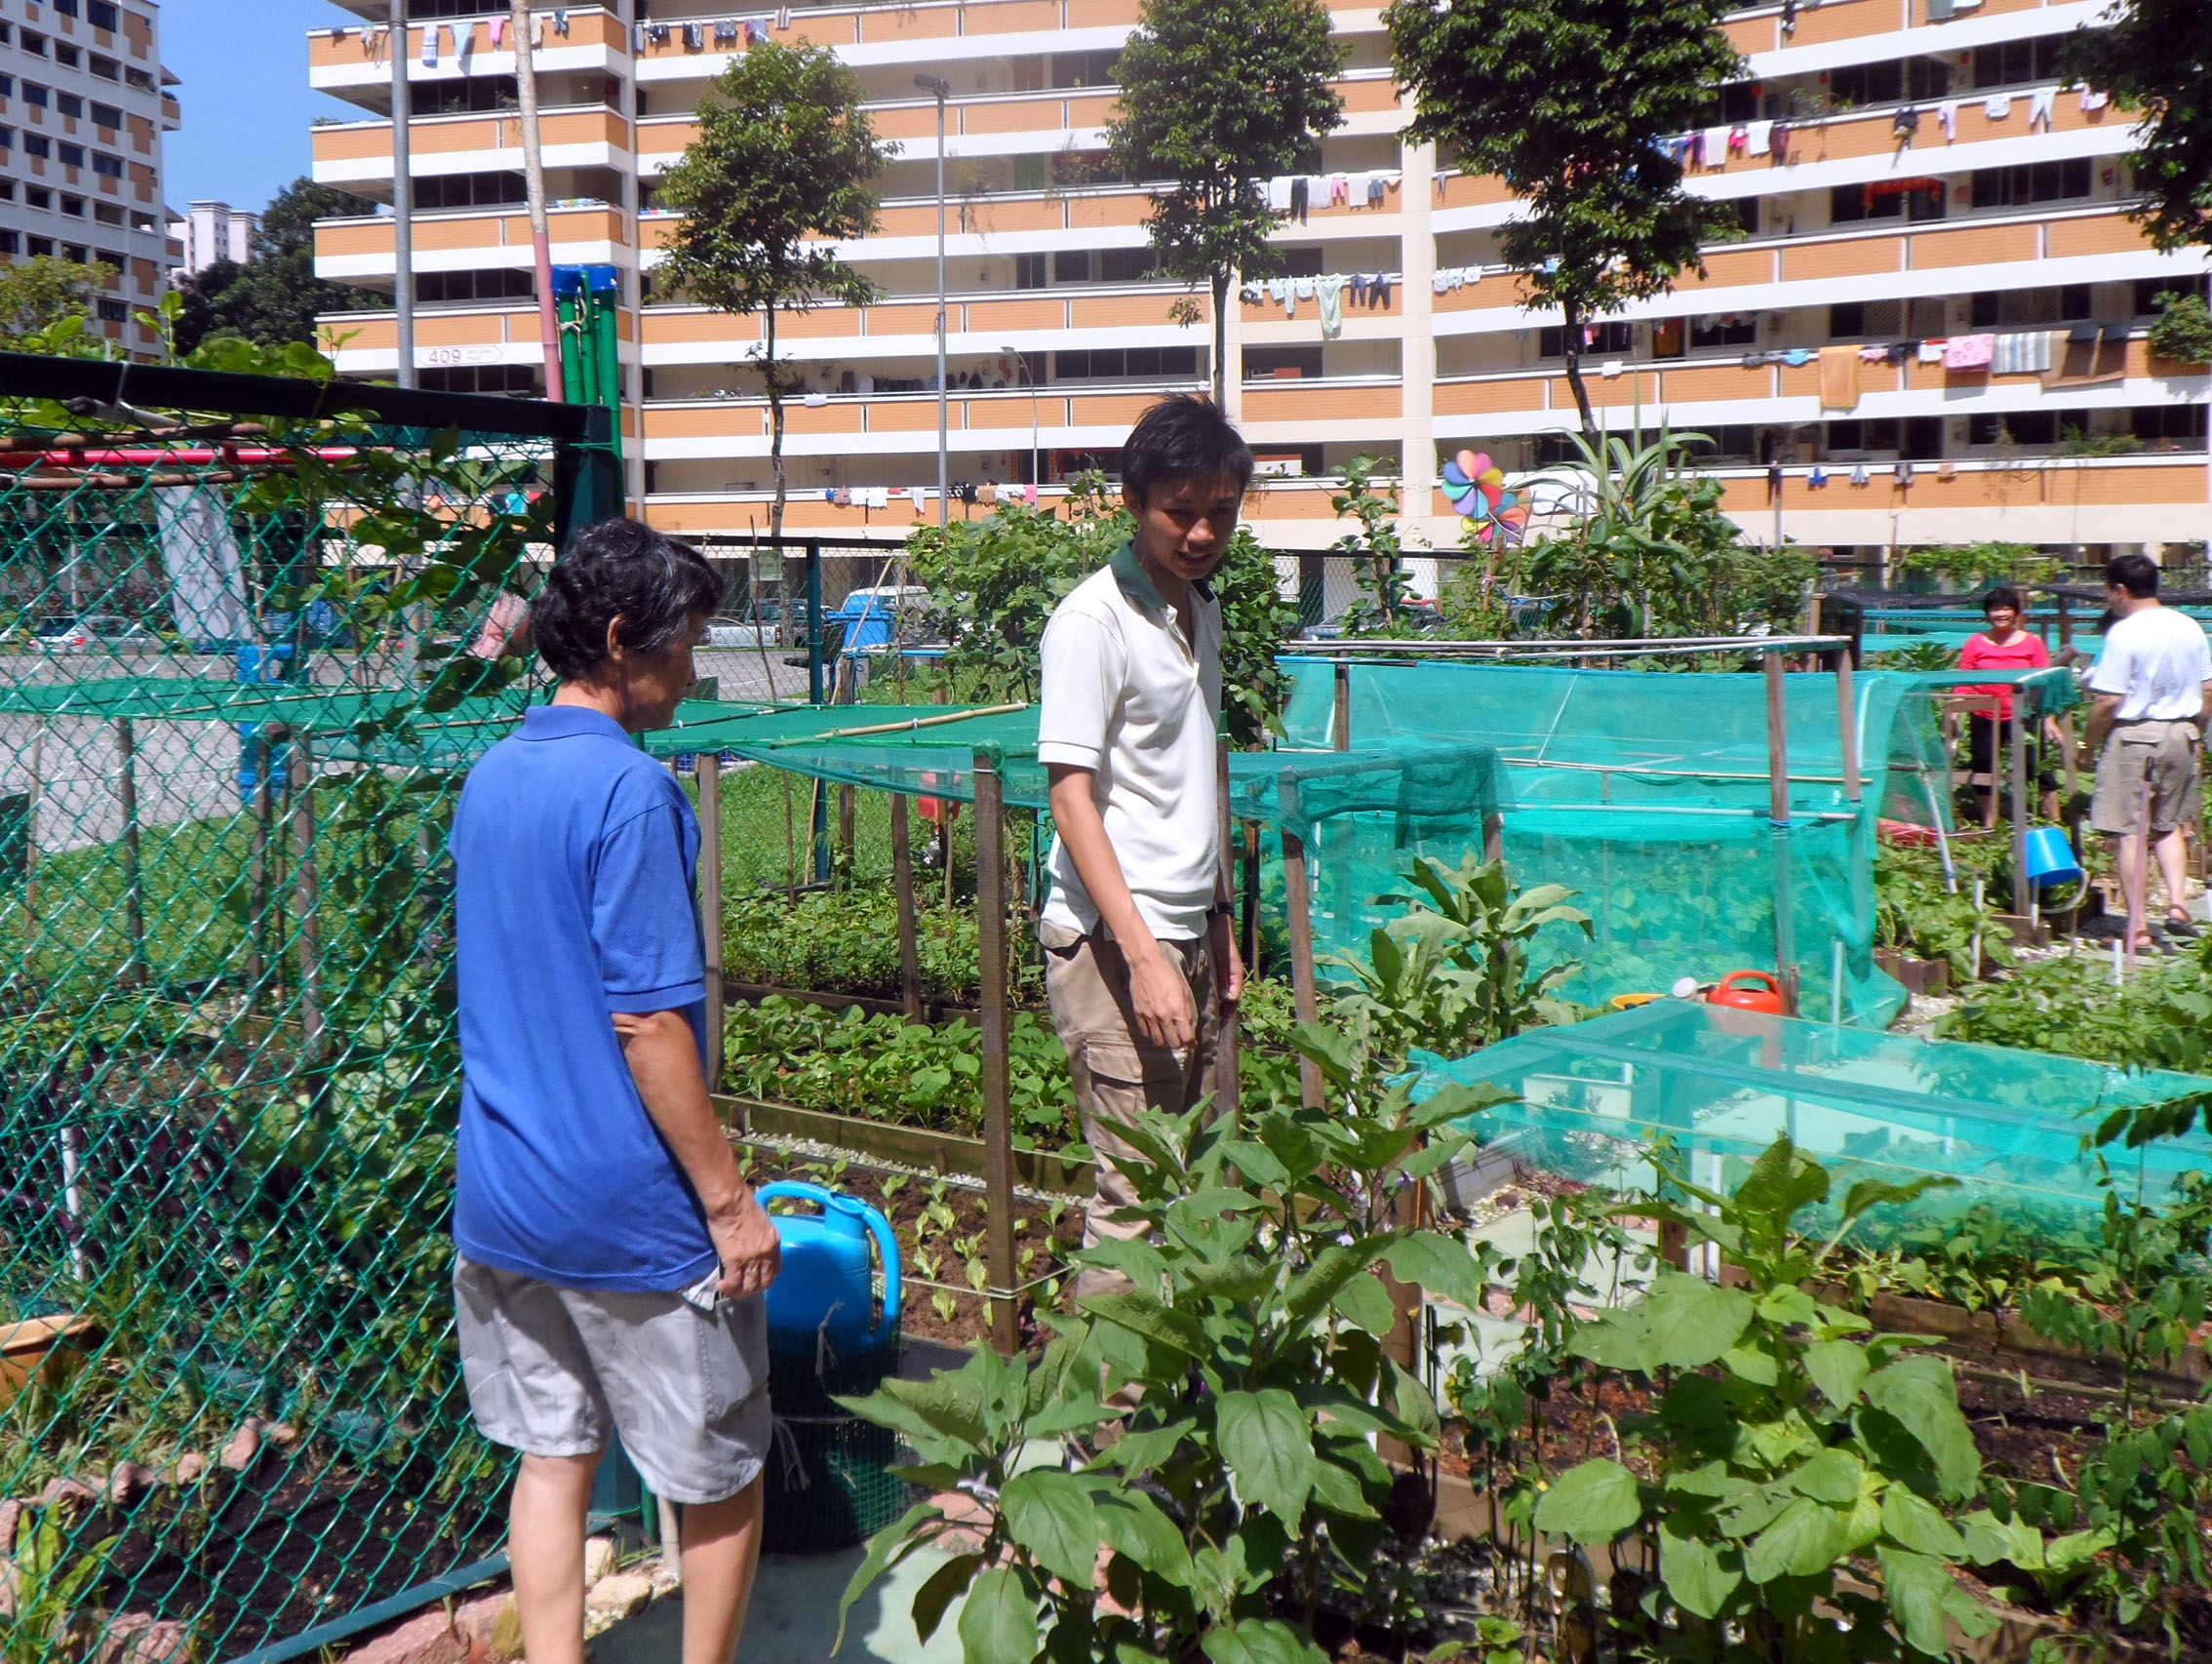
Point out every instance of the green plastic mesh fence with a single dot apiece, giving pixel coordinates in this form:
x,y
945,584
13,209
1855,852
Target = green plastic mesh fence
x,y
249,640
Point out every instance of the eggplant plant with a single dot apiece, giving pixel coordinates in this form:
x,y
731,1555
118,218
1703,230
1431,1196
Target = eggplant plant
x,y
1243,1492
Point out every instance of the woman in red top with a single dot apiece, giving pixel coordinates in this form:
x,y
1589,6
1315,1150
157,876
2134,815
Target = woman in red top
x,y
2003,646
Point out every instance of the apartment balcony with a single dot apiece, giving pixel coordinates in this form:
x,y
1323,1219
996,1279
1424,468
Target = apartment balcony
x,y
360,152
341,63
907,327
1295,513
470,240
889,24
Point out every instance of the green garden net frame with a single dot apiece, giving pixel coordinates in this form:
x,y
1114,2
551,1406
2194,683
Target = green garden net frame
x,y
1720,1085
251,633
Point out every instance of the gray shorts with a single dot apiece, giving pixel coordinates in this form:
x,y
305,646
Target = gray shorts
x,y
552,1371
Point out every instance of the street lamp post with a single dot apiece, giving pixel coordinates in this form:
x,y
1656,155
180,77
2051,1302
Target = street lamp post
x,y
938,87
403,196
1036,475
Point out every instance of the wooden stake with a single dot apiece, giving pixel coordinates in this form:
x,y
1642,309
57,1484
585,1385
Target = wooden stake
x,y
902,883
1251,943
1297,900
2018,760
998,1133
709,776
258,867
1340,719
309,934
1848,726
134,864
30,849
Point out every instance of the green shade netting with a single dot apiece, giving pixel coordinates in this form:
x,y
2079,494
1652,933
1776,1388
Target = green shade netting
x,y
2006,1126
1646,793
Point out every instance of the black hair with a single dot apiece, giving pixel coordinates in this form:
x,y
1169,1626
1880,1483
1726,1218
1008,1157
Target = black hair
x,y
1183,437
2138,574
2003,595
619,569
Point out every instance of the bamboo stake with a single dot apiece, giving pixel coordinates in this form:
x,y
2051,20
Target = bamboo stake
x,y
1252,898
2019,779
709,776
1848,726
133,863
997,1139
1340,717
896,726
309,934
1226,1084
903,885
1778,812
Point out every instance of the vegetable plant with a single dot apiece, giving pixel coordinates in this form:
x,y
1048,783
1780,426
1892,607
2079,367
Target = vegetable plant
x,y
1242,1491
1786,1445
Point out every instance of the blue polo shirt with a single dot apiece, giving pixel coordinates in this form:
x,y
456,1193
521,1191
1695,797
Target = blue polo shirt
x,y
573,856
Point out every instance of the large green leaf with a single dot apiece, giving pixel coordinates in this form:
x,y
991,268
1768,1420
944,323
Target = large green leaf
x,y
945,1586
1260,1641
1990,1540
1692,1570
1268,1443
1134,1525
1591,1503
1915,1586
1923,1397
1830,1476
1366,1303
1805,1538
1315,1288
1682,1322
883,1549
1440,1264
947,1407
999,1623
1915,1525
1050,1514
1141,1313
1838,1368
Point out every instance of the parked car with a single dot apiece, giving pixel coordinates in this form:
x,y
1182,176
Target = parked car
x,y
98,632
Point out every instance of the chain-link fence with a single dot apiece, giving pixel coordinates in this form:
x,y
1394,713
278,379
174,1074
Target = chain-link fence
x,y
251,634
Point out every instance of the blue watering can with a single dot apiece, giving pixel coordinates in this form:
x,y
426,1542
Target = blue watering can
x,y
826,1287
2050,858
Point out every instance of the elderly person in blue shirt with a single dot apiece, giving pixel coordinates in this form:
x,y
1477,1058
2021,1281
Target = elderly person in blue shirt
x,y
612,1261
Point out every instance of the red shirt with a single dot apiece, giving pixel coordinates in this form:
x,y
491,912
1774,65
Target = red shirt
x,y
2023,653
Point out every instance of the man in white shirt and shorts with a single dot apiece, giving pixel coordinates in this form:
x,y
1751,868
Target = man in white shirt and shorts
x,y
1140,961
2150,688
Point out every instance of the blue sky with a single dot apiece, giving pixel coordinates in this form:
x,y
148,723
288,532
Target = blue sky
x,y
245,96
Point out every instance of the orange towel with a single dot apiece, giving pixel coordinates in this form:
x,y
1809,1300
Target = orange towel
x,y
1840,377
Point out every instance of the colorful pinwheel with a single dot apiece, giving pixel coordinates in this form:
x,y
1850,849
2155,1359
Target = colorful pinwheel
x,y
1476,487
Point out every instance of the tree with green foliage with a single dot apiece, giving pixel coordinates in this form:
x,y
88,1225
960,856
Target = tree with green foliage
x,y
1217,97
1569,101
2155,57
784,166
39,292
2182,330
275,300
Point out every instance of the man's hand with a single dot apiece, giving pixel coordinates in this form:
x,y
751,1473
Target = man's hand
x,y
1231,965
746,1242
1161,998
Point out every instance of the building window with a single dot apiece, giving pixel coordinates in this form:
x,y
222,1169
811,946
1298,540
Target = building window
x,y
76,253
72,155
116,258
38,196
35,94
106,115
69,104
1029,271
108,214
41,246
2025,308
1616,336
1887,199
1085,68
7,138
1728,328
34,43
1114,364
64,8
10,242
38,144
2032,182
2166,424
7,33
1124,266
106,68
73,206
6,190
451,287
108,167
2017,62
7,86
68,56
113,311
470,191
102,15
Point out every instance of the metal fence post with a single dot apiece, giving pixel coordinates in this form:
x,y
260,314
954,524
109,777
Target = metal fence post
x,y
998,1133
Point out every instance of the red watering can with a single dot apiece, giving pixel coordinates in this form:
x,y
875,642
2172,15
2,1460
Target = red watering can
x,y
1748,991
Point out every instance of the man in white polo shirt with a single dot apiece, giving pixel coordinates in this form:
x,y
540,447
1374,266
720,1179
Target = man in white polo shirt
x,y
1138,921
2150,689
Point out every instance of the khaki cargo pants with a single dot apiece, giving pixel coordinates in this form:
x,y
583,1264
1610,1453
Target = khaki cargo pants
x,y
1117,1072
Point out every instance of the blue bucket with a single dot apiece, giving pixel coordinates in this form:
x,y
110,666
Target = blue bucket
x,y
2050,858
